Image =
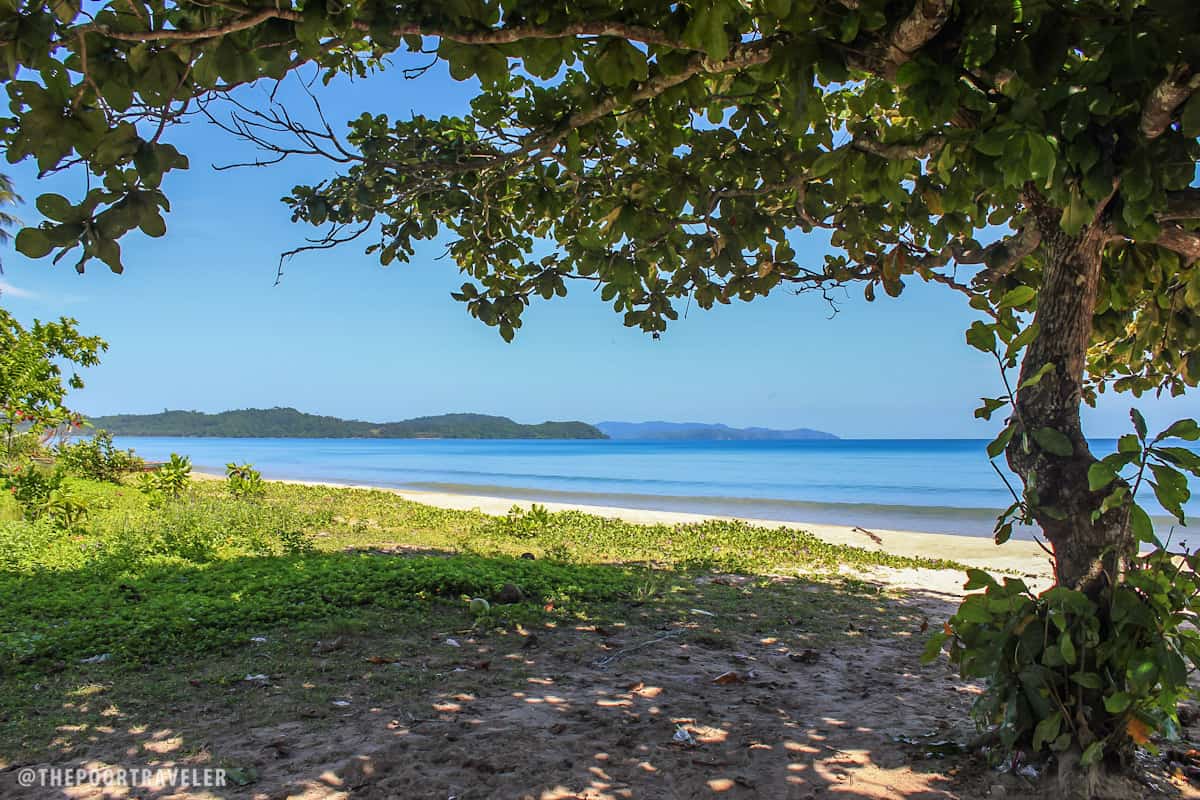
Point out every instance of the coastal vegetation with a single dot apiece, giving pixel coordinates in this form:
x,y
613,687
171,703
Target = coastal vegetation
x,y
1038,158
290,423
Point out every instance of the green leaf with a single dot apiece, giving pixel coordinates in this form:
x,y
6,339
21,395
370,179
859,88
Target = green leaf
x,y
1067,647
1128,443
990,404
1047,730
1117,702
1036,378
1092,754
1171,489
997,445
933,647
993,142
1186,429
1088,680
56,207
1019,296
1043,155
1054,442
826,163
978,579
1140,524
982,337
1100,475
1076,214
1139,422
33,243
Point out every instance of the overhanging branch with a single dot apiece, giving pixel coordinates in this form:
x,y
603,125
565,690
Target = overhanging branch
x,y
916,30
1166,98
1184,242
250,18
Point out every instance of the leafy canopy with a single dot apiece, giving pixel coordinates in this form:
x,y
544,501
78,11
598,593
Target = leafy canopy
x,y
32,389
671,152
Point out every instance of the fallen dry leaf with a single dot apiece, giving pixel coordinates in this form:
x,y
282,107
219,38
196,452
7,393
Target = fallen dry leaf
x,y
726,678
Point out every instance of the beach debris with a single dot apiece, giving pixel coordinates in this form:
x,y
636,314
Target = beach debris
x,y
341,703
684,737
453,642
702,612
97,659
726,678
258,639
329,646
510,593
931,746
805,657
258,679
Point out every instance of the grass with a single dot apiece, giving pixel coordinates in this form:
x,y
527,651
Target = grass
x,y
186,599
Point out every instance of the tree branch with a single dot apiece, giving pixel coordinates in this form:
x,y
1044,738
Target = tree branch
x,y
250,19
1184,242
916,30
922,149
1000,257
1166,98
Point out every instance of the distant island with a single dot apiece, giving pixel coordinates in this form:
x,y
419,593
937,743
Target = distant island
x,y
697,431
281,423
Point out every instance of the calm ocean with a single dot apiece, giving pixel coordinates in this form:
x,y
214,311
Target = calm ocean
x,y
944,486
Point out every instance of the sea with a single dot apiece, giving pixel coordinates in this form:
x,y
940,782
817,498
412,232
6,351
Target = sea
x,y
934,485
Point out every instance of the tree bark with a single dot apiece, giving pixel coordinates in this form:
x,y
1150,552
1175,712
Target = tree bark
x,y
1088,553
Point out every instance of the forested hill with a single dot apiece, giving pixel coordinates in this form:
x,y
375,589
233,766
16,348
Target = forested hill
x,y
700,431
289,423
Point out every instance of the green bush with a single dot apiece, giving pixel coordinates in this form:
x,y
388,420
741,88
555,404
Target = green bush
x,y
30,485
1065,673
244,481
1091,675
97,459
169,481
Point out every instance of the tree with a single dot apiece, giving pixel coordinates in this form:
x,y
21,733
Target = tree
x,y
1037,156
8,197
32,393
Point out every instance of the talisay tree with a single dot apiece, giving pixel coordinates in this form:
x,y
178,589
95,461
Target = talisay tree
x,y
1036,156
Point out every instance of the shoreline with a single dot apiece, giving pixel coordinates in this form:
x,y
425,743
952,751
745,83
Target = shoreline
x,y
1024,557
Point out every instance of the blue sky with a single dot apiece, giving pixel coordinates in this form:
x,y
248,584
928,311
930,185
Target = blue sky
x,y
196,323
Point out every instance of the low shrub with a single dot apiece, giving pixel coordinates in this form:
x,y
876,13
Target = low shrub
x,y
169,481
244,481
97,458
30,486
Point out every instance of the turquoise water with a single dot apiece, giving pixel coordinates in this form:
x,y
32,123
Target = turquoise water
x,y
945,486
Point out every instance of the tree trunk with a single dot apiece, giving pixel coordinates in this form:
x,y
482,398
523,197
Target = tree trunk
x,y
1088,553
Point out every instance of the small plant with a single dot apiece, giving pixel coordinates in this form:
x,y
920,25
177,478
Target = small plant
x,y
169,481
31,486
244,481
65,509
522,524
97,459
